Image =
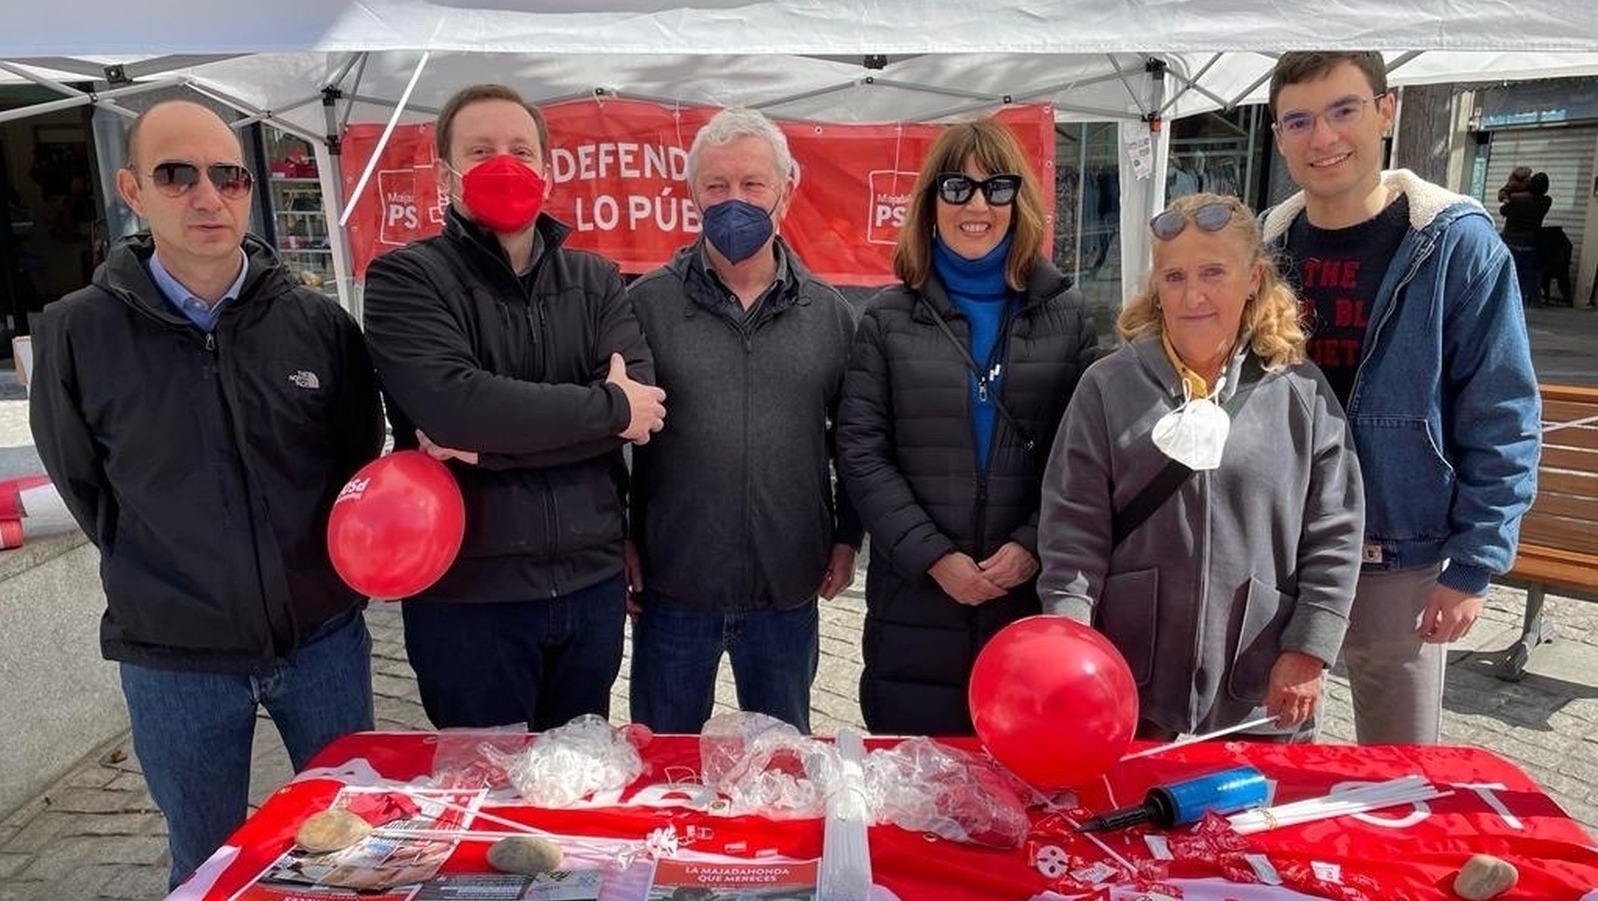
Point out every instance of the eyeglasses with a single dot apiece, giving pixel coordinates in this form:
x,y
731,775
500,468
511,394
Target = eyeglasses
x,y
175,179
1211,217
958,189
1296,125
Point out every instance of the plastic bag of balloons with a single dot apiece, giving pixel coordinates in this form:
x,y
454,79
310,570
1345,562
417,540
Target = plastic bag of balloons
x,y
923,786
764,766
571,762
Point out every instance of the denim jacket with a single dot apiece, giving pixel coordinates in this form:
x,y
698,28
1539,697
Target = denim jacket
x,y
1444,409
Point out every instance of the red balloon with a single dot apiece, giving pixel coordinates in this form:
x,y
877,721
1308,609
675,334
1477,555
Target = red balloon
x,y
1054,701
396,525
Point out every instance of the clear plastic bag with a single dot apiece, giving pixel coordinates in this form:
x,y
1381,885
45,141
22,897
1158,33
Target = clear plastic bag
x,y
926,787
460,759
763,766
766,768
570,762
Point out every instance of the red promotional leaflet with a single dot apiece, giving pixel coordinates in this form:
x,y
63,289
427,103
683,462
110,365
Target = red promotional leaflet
x,y
619,170
676,880
1410,852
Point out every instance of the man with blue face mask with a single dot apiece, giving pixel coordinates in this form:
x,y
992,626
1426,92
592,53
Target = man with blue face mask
x,y
736,526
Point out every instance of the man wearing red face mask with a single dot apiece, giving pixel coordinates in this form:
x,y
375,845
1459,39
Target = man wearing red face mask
x,y
520,364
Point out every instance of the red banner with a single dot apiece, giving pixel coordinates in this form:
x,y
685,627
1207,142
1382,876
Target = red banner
x,y
619,169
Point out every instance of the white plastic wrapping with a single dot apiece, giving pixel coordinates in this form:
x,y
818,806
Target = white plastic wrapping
x,y
571,762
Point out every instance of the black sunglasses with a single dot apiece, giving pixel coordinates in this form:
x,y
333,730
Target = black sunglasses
x,y
958,189
1211,217
232,181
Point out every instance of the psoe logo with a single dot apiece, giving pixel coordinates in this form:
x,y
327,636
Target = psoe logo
x,y
890,202
306,379
352,489
406,214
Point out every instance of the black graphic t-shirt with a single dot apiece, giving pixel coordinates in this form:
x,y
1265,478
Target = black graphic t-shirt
x,y
1337,273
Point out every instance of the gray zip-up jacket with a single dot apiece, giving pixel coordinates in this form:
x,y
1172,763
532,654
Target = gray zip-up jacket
x,y
1243,562
733,503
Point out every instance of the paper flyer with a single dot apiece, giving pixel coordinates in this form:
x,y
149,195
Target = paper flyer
x,y
378,868
687,880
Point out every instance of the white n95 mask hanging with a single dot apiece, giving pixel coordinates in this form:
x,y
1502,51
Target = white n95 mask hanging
x,y
1194,434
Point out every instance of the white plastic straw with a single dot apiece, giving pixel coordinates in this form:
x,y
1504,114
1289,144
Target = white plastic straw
x,y
475,812
1195,739
449,835
1403,790
601,845
845,872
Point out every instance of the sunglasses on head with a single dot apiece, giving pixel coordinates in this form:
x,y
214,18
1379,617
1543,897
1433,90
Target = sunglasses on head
x,y
1211,217
958,189
176,179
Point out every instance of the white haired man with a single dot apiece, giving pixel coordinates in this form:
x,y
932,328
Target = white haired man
x,y
736,525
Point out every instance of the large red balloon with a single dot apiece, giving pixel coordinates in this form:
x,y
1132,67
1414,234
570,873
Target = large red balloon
x,y
1054,701
396,526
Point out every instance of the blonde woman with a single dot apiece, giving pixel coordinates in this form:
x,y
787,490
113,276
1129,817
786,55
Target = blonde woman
x,y
1202,503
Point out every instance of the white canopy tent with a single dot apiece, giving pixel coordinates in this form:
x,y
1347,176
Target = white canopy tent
x,y
311,66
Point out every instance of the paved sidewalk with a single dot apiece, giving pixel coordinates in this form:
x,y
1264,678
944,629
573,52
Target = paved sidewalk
x,y
96,834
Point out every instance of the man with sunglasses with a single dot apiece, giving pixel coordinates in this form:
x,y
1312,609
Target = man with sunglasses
x,y
199,410
1416,322
738,527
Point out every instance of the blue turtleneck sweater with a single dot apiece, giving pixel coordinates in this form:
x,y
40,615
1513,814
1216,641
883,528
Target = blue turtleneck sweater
x,y
978,291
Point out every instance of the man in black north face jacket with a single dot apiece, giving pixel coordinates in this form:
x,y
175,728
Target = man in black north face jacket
x,y
199,410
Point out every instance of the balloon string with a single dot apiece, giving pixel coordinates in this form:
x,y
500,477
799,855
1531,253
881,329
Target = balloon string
x,y
1161,749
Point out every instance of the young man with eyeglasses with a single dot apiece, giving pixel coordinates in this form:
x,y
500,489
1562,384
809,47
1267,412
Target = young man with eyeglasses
x,y
199,410
739,532
1416,322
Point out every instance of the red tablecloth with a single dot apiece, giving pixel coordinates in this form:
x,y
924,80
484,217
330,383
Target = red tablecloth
x,y
1409,852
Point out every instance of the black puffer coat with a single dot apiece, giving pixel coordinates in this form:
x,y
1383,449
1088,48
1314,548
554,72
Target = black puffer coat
x,y
908,460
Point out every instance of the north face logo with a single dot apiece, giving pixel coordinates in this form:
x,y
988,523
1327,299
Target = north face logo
x,y
305,379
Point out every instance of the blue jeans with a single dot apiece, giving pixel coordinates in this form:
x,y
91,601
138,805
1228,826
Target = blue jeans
x,y
193,732
539,662
676,652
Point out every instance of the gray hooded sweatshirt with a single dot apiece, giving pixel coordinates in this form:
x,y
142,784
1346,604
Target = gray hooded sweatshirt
x,y
1243,562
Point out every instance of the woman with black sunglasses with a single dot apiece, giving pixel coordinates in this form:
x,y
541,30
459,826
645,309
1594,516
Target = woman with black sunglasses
x,y
957,381
1203,506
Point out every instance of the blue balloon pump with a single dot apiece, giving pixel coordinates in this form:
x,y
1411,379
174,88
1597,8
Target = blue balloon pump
x,y
1181,803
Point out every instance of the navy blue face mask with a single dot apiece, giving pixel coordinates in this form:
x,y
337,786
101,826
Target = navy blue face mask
x,y
737,229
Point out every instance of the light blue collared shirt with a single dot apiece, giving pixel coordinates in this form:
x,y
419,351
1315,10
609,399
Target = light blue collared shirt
x,y
184,301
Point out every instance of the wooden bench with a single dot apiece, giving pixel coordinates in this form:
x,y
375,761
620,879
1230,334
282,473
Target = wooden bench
x,y
1559,536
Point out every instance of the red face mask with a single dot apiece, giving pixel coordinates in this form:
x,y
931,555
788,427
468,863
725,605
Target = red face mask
x,y
503,194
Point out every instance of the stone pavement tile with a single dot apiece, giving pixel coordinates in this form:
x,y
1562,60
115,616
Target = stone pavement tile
x,y
399,669
11,862
394,686
68,855
79,883
124,824
41,833
137,883
24,814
